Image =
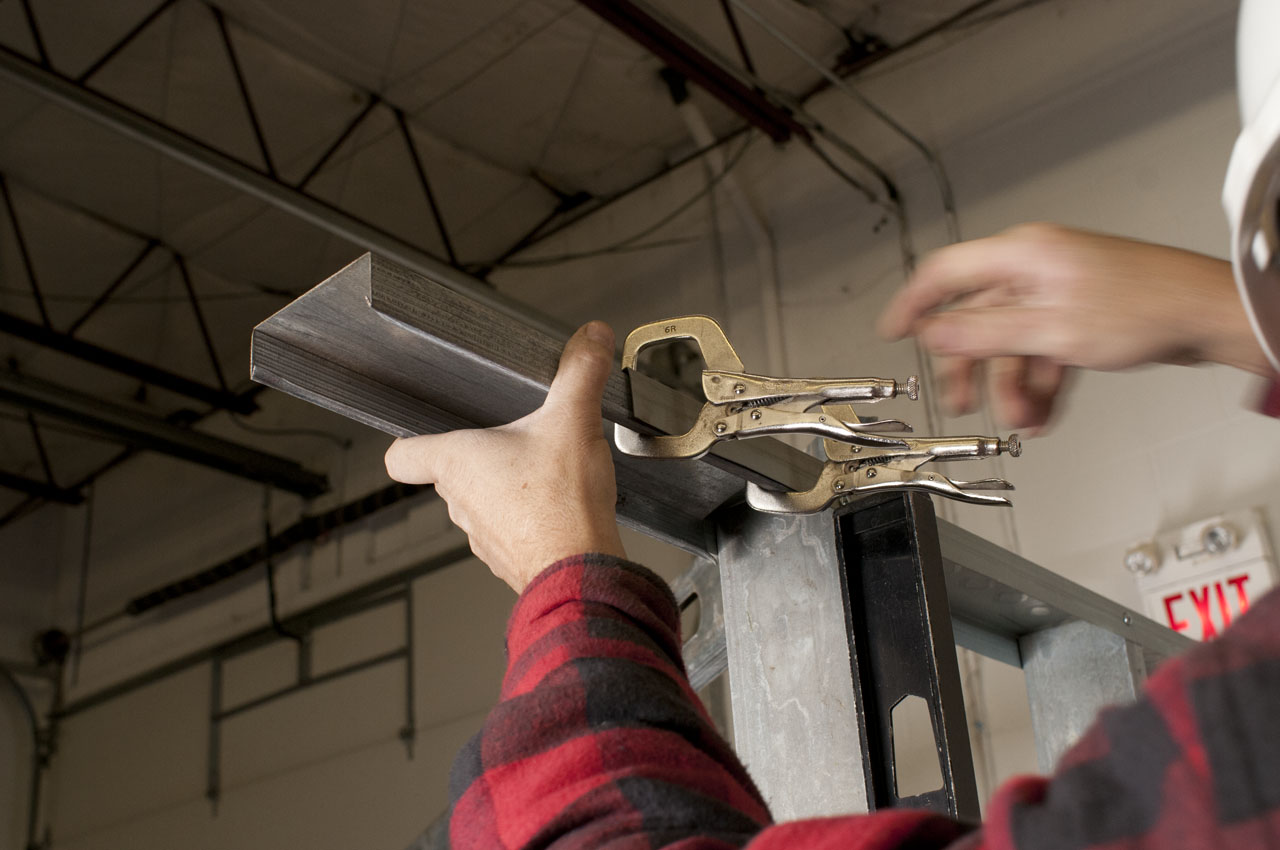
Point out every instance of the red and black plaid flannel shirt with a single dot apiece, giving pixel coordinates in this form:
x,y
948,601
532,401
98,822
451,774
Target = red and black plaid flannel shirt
x,y
599,742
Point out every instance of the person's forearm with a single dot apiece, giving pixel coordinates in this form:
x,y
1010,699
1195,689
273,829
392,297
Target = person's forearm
x,y
1215,317
598,737
1194,763
599,742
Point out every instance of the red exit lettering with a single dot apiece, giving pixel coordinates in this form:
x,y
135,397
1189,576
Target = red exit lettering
x,y
1202,599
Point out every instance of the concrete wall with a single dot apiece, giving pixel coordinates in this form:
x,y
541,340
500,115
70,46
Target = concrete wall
x,y
1111,114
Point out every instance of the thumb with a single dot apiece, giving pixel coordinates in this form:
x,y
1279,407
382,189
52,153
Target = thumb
x,y
585,366
419,460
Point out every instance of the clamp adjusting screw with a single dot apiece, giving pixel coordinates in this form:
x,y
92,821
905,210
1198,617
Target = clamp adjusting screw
x,y
913,388
1012,445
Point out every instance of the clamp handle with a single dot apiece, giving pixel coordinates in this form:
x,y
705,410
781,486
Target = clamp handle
x,y
836,482
722,386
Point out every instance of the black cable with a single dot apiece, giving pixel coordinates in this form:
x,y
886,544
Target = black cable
x,y
935,165
339,441
86,549
826,160
895,208
996,15
269,561
961,30
629,242
148,299
559,259
37,756
732,21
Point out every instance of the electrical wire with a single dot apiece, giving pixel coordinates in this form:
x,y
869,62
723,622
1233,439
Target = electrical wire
x,y
515,45
894,204
935,165
718,270
603,202
37,755
560,259
258,290
121,300
896,210
992,17
628,244
574,86
460,44
907,257
943,182
959,31
269,562
86,550
338,440
140,283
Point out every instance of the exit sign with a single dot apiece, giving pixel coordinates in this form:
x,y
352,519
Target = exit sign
x,y
1209,573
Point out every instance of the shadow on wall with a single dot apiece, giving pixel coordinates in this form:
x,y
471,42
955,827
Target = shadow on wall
x,y
1133,96
1028,140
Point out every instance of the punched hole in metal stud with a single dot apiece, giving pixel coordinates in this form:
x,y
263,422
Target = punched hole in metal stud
x,y
690,617
916,768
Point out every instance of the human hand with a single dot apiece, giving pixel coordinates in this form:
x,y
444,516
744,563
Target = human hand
x,y
537,490
1037,299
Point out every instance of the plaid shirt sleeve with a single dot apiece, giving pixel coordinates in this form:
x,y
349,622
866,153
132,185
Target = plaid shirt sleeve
x,y
599,742
1269,403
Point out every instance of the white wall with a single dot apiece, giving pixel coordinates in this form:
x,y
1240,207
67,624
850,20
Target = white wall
x,y
1111,114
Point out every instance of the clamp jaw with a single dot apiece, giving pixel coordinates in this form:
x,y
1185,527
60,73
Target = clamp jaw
x,y
860,458
741,405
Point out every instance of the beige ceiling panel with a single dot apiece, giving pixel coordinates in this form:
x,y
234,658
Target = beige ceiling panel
x,y
507,108
437,42
373,178
63,155
15,291
74,257
419,80
265,247
14,31
502,224
303,109
468,190
79,32
352,41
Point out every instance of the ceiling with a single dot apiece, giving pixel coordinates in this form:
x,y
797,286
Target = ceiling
x,y
462,130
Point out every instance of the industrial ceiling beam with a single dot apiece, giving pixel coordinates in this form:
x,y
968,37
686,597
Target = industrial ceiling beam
x,y
186,149
643,25
128,366
40,489
146,432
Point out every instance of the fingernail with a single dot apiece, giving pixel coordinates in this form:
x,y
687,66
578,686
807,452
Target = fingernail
x,y
601,333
